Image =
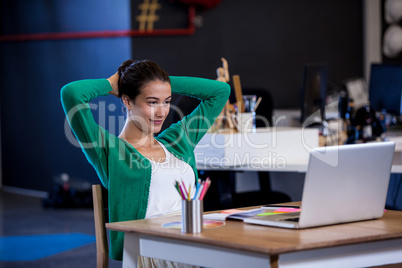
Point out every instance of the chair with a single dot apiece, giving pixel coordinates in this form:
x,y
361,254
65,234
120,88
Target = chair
x,y
102,249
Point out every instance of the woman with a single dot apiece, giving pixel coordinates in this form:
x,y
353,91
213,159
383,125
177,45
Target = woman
x,y
137,168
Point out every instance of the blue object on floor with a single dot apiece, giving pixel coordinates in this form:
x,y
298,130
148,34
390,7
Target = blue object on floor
x,y
34,247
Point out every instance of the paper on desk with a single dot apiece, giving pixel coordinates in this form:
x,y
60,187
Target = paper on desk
x,y
215,216
266,214
233,214
232,211
286,210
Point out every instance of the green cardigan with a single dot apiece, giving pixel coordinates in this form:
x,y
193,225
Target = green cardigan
x,y
121,168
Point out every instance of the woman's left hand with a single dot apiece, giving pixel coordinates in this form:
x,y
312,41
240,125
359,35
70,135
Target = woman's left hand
x,y
114,83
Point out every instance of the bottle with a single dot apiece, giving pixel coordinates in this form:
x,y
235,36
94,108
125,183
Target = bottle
x,y
367,129
349,120
367,121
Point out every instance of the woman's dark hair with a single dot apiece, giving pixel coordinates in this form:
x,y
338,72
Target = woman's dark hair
x,y
134,75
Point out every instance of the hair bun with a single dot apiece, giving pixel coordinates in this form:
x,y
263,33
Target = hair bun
x,y
134,75
123,67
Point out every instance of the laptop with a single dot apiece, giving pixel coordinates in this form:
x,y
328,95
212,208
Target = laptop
x,y
345,183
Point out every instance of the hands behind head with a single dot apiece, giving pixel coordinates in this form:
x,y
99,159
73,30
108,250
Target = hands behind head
x,y
114,83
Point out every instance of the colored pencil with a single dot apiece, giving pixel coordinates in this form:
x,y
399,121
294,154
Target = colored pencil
x,y
189,193
182,193
201,188
205,189
197,189
176,185
184,187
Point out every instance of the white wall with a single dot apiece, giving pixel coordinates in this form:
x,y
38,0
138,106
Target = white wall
x,y
371,34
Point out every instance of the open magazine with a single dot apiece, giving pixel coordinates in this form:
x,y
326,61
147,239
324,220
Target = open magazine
x,y
239,214
233,214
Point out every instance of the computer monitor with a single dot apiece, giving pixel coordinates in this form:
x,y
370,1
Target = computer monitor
x,y
313,91
385,88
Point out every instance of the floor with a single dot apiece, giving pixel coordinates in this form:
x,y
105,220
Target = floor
x,y
25,216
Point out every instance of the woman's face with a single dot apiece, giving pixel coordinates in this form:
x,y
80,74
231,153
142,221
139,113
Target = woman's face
x,y
151,106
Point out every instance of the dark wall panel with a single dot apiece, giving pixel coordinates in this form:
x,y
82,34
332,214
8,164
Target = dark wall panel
x,y
265,42
35,146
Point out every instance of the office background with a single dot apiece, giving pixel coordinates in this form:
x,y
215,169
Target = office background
x,y
265,42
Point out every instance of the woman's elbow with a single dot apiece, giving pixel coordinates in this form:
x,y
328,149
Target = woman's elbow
x,y
225,89
68,94
65,94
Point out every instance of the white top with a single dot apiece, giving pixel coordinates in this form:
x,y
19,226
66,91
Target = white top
x,y
163,197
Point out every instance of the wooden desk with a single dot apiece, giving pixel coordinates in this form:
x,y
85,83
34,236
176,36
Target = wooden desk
x,y
237,244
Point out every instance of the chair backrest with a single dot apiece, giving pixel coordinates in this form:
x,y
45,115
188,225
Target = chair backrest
x,y
102,249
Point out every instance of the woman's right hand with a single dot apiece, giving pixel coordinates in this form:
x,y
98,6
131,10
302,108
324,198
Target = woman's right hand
x,y
114,83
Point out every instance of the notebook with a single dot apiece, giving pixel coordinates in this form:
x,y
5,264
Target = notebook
x,y
343,183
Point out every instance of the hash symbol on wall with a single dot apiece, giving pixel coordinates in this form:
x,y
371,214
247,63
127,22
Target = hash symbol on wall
x,y
148,15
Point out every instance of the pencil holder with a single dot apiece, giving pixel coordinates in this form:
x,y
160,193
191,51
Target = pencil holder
x,y
191,216
245,122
